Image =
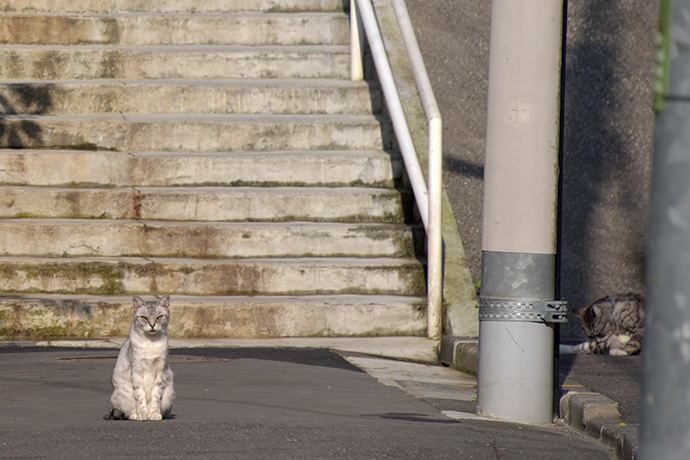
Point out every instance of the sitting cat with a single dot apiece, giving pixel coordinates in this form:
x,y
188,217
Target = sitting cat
x,y
142,379
615,325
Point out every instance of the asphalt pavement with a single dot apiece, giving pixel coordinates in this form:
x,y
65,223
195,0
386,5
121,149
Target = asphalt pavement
x,y
251,403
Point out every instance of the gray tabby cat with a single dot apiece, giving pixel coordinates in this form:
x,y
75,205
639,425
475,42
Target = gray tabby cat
x,y
615,325
142,379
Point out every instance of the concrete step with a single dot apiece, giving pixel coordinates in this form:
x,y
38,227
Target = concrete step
x,y
101,238
215,151
172,62
367,168
219,277
57,316
211,204
243,96
171,6
178,29
194,133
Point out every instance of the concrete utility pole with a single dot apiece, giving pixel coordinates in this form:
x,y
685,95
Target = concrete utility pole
x,y
516,336
665,404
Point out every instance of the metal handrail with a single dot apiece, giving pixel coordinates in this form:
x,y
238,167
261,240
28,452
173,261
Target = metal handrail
x,y
428,199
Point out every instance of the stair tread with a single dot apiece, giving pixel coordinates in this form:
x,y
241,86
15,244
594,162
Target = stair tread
x,y
211,154
62,222
179,5
303,261
178,14
139,29
202,118
349,204
318,168
223,96
299,49
212,82
173,61
198,132
318,298
220,189
248,276
240,316
209,240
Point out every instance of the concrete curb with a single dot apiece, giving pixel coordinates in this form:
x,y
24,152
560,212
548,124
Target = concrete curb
x,y
598,416
461,353
595,414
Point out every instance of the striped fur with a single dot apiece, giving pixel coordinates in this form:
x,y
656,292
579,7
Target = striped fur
x,y
614,324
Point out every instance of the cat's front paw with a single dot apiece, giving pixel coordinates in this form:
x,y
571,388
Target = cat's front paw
x,y
617,352
139,416
155,416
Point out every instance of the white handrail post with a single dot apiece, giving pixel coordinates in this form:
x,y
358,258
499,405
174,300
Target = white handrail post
x,y
429,200
356,44
434,232
434,174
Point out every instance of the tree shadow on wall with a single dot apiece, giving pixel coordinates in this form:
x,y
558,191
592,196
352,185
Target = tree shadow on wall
x,y
603,210
18,104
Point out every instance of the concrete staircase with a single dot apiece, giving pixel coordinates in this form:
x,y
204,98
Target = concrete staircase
x,y
212,150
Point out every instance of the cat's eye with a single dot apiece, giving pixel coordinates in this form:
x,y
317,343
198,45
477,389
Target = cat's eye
x,y
160,318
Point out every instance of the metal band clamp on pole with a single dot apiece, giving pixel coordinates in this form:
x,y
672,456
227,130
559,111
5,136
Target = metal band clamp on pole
x,y
538,311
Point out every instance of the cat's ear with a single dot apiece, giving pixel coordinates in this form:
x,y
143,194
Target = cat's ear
x,y
165,301
138,302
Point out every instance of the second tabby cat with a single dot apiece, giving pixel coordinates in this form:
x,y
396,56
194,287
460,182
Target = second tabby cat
x,y
614,324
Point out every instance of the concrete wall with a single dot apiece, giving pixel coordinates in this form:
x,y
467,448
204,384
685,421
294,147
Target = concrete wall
x,y
607,139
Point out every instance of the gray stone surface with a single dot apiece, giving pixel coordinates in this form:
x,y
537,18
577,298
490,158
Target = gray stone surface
x,y
177,103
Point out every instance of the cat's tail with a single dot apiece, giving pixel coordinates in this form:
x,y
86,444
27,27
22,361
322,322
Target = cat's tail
x,y
114,414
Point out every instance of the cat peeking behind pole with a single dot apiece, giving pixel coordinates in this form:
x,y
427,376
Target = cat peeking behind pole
x,y
614,324
142,379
